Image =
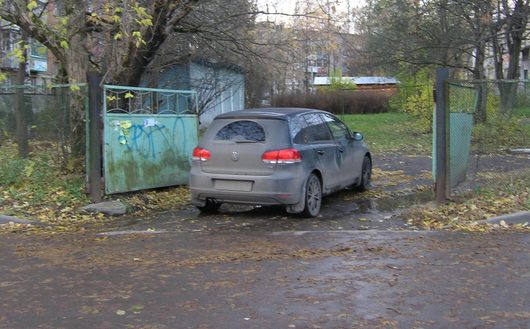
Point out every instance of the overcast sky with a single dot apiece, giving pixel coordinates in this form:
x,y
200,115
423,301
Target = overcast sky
x,y
287,7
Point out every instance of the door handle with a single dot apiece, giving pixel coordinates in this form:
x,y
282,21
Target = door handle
x,y
341,149
320,152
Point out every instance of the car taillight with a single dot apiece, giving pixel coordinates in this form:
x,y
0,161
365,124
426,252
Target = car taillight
x,y
201,154
282,156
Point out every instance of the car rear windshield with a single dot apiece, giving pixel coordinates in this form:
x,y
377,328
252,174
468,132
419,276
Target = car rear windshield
x,y
243,130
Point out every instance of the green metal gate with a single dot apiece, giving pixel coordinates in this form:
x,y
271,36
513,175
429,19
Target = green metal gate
x,y
149,136
461,104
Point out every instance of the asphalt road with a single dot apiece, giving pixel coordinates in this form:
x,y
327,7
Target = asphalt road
x,y
359,265
230,278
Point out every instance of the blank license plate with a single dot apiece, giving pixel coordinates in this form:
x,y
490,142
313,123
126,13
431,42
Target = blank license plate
x,y
233,185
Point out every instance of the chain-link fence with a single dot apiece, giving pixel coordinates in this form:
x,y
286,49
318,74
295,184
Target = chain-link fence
x,y
488,135
54,117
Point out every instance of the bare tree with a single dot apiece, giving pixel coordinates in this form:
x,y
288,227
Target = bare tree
x,y
508,32
456,34
408,35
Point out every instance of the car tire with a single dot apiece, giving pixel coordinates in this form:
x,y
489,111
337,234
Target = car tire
x,y
313,196
209,206
366,175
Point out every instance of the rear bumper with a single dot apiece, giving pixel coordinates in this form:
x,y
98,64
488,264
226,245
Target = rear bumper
x,y
280,188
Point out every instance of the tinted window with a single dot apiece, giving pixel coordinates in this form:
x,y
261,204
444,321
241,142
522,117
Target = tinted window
x,y
316,130
338,129
242,131
309,128
298,130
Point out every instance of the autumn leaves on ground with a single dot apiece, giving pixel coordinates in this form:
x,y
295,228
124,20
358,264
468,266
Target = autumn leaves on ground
x,y
39,188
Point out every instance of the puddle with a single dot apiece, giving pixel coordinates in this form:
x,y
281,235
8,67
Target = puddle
x,y
388,204
396,202
337,214
133,232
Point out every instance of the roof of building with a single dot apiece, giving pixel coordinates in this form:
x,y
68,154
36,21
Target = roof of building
x,y
267,112
323,81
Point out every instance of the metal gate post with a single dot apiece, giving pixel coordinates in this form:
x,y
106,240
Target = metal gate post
x,y
94,140
442,144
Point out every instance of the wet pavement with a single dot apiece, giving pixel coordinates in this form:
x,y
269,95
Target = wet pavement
x,y
358,265
400,181
259,279
341,211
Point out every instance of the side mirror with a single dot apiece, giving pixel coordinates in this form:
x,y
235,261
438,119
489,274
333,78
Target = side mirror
x,y
357,136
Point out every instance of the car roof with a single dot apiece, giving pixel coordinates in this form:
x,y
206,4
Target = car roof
x,y
269,113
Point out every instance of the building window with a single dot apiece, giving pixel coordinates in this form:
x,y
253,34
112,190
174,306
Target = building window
x,y
526,54
6,40
37,49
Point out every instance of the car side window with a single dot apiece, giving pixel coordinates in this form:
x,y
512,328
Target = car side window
x,y
298,130
338,128
242,130
313,130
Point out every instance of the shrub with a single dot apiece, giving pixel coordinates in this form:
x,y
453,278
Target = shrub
x,y
356,101
416,98
500,132
11,168
39,178
421,106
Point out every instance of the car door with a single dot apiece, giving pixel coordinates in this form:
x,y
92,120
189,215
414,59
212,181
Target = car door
x,y
350,157
319,138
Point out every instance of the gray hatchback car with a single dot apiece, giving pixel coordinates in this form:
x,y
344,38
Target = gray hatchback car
x,y
277,156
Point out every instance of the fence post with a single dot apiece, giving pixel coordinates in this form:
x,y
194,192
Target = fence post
x,y
441,185
94,140
21,114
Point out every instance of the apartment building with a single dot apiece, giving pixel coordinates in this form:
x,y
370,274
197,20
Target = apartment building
x,y
40,66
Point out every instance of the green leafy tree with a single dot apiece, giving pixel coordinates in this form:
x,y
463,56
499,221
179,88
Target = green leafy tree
x,y
338,82
415,98
64,34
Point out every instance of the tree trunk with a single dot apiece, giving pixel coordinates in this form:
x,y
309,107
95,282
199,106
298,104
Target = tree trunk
x,y
444,36
77,68
138,57
513,31
508,94
508,89
20,108
482,87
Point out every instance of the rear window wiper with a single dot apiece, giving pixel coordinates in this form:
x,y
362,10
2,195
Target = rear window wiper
x,y
246,141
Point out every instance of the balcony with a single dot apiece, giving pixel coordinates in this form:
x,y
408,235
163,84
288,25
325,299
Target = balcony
x,y
8,62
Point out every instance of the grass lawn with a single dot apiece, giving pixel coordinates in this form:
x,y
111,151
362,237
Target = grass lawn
x,y
390,132
522,112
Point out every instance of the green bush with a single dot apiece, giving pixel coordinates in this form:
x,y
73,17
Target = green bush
x,y
40,178
501,132
415,97
523,95
11,170
338,83
420,105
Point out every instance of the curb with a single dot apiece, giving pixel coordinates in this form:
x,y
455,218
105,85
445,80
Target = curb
x,y
515,218
111,208
10,219
520,151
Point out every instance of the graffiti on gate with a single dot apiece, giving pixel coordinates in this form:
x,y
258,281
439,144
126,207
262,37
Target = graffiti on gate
x,y
149,137
143,138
